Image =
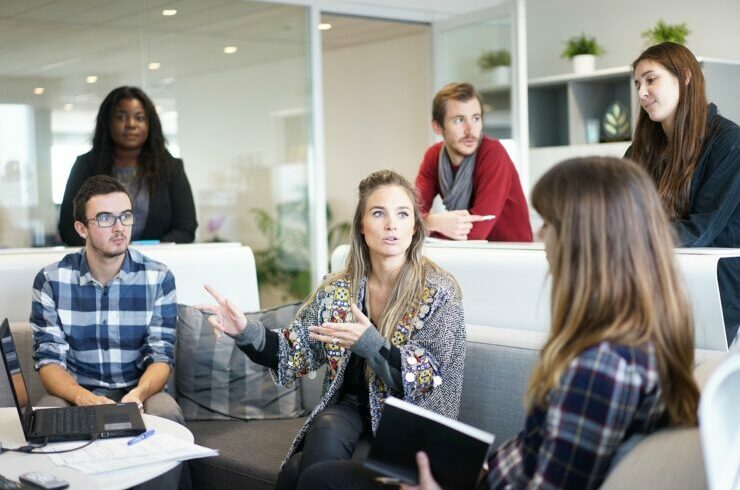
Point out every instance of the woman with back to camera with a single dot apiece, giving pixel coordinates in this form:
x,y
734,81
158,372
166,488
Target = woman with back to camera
x,y
390,323
618,360
693,155
129,145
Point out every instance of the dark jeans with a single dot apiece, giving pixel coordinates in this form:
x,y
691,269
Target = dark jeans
x,y
333,436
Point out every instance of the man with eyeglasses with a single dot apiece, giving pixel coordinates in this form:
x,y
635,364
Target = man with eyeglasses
x,y
104,318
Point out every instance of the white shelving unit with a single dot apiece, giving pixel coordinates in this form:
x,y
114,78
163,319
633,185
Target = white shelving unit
x,y
497,120
559,106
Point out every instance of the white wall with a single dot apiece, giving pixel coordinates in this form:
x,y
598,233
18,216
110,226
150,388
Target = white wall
x,y
377,106
618,25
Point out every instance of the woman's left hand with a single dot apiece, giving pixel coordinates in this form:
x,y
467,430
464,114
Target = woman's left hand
x,y
342,334
426,480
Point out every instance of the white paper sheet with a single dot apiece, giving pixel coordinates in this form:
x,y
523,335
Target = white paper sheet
x,y
115,454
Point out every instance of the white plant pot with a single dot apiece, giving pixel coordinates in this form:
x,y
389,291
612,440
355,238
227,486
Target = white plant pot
x,y
501,75
583,63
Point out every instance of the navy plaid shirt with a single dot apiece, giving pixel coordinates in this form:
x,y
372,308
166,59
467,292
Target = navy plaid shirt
x,y
608,393
105,336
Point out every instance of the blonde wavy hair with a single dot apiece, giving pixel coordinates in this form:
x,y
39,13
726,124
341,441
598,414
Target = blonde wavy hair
x,y
613,277
410,283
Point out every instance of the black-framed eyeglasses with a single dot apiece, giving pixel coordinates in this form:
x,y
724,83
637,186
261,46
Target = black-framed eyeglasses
x,y
106,220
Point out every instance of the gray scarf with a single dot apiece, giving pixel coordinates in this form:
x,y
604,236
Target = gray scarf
x,y
456,191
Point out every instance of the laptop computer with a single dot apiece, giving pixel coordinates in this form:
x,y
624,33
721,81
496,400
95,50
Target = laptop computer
x,y
67,423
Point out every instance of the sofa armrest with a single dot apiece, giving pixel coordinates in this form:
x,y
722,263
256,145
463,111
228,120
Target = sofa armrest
x,y
669,458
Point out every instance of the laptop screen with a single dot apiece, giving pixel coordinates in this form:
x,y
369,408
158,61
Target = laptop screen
x,y
15,377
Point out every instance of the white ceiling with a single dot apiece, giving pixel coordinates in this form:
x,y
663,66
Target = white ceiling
x,y
55,44
417,10
350,31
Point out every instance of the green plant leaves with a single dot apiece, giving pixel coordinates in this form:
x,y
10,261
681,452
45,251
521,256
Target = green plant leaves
x,y
286,262
581,45
663,32
488,60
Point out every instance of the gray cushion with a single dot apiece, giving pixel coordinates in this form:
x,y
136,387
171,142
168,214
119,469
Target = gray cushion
x,y
216,381
493,391
669,458
250,453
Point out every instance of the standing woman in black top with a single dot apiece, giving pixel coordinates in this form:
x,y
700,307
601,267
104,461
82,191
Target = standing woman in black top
x,y
128,144
693,155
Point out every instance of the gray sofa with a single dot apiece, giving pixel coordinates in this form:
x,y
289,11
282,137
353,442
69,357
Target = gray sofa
x,y
495,380
251,451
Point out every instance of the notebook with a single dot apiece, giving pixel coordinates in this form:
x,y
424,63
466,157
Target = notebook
x,y
68,423
456,450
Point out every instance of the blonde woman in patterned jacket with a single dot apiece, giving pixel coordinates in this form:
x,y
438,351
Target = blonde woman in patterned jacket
x,y
390,323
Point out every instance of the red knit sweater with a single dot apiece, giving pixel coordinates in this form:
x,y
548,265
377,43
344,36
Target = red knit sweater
x,y
496,190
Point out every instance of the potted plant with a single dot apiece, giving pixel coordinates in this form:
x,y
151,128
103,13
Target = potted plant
x,y
583,51
662,32
497,65
283,266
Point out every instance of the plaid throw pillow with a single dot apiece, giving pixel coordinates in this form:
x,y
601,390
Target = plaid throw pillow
x,y
217,381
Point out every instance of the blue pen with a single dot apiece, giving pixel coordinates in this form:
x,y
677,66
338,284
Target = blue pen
x,y
141,437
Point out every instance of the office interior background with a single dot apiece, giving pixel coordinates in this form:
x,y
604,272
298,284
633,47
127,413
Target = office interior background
x,y
277,120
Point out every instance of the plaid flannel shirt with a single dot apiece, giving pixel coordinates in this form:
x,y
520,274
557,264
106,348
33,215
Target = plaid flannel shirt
x,y
608,393
105,336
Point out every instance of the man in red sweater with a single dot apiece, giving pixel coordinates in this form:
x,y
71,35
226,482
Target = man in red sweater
x,y
472,173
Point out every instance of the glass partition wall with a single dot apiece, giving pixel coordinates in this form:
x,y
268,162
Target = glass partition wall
x,y
231,84
488,48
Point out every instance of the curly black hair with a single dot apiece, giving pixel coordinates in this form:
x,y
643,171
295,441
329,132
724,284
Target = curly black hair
x,y
154,155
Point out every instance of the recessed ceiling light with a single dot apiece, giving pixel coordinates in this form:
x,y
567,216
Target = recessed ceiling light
x,y
158,108
68,107
38,90
91,78
154,65
230,49
324,26
167,81
169,12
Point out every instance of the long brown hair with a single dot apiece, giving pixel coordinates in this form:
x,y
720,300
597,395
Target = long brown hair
x,y
410,283
671,162
613,276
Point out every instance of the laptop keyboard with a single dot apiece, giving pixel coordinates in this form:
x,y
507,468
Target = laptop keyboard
x,y
73,420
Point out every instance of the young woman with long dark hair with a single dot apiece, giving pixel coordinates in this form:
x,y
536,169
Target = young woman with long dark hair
x,y
618,360
693,156
129,145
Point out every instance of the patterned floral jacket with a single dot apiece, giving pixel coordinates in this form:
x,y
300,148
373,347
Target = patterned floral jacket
x,y
431,338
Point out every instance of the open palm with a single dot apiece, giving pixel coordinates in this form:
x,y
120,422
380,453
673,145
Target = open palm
x,y
225,317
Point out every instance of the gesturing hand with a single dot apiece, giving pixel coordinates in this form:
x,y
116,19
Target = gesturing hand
x,y
226,316
342,334
453,224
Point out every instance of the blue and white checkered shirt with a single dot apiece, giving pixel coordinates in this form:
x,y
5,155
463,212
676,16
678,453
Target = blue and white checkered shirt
x,y
608,393
105,336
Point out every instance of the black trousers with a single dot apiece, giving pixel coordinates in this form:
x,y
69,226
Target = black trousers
x,y
333,436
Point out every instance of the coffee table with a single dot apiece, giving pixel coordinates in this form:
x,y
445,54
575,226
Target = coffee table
x,y
13,464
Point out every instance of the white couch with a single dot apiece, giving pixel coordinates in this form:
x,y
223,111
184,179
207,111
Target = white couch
x,y
229,267
506,291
